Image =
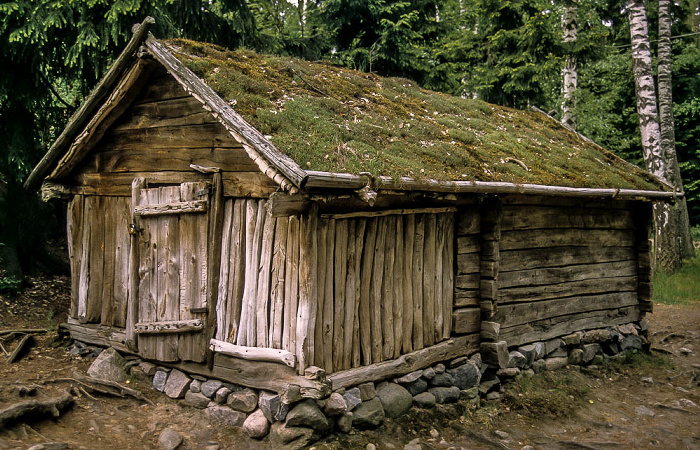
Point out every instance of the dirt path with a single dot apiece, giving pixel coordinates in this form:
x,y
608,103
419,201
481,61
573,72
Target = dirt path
x,y
650,402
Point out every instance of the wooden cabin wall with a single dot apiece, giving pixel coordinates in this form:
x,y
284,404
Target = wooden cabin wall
x,y
466,315
98,246
383,286
159,135
565,268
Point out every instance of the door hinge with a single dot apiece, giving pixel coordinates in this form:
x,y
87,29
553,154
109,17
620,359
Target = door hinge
x,y
206,191
134,229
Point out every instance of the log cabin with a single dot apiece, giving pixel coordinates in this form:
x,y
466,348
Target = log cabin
x,y
301,227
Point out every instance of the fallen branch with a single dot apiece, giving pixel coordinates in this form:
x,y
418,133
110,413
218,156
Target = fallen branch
x,y
674,408
24,345
33,408
24,331
103,387
487,440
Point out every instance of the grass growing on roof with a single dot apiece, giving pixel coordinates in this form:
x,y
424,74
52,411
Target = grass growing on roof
x,y
334,119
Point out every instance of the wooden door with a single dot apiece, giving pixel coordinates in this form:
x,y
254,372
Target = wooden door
x,y
172,271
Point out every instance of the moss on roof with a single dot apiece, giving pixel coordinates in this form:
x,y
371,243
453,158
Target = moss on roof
x,y
335,119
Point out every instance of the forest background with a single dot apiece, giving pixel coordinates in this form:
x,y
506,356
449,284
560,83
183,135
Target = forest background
x,y
52,52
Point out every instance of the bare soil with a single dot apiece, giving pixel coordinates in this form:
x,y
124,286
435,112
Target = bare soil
x,y
647,402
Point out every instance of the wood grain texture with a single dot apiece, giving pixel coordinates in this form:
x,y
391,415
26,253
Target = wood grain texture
x,y
418,260
366,291
122,248
359,247
429,280
407,283
375,298
341,269
277,282
74,225
329,298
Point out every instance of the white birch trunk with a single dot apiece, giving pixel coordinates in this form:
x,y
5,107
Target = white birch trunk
x,y
569,72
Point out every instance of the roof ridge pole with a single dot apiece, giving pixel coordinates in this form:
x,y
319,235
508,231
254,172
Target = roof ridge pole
x,y
77,120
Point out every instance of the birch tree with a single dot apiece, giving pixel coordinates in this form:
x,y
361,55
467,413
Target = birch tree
x,y
678,213
569,73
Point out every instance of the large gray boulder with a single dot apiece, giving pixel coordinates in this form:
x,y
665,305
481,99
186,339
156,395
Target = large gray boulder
x,y
210,387
109,365
256,425
244,400
225,415
177,384
466,376
284,437
307,414
369,414
445,394
395,399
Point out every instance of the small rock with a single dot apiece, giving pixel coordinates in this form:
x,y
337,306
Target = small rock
x,y
335,406
424,400
627,328
493,396
555,363
369,414
413,445
644,411
244,400
458,362
632,342
573,338
212,446
528,447
684,350
159,380
466,375
352,398
527,373
510,372
443,379
210,387
502,435
598,360
445,394
148,368
429,373
611,348
476,360
284,437
169,439
489,385
225,415
367,391
576,356
395,399
109,365
439,368
177,384
196,386
643,325
370,446
434,433
197,399
648,380
222,395
589,352
600,335
517,359
529,351
307,414
410,377
470,393
344,422
558,353
271,405
687,403
256,425
551,345
417,386
539,366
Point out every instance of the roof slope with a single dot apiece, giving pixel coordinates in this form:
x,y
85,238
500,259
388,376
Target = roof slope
x,y
328,118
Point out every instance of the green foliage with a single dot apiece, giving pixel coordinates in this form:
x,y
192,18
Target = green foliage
x,y
10,285
679,288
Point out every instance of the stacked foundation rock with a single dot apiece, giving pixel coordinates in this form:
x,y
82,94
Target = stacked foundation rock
x,y
368,405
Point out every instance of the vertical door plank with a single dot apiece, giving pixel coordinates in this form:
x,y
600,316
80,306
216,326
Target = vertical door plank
x,y
448,275
398,287
306,314
375,297
418,244
262,302
319,344
84,273
122,249
365,289
349,306
148,276
133,308
408,281
109,252
359,246
74,225
277,287
387,301
251,279
328,293
341,265
439,244
97,235
237,264
168,272
223,301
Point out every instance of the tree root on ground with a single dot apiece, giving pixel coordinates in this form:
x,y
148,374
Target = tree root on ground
x,y
103,387
32,408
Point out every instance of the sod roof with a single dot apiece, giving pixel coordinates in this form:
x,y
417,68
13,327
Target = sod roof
x,y
334,119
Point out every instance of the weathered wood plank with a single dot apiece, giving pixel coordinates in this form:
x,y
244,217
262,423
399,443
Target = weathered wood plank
x,y
448,275
521,239
429,280
277,282
583,287
168,273
322,270
562,256
206,135
237,277
109,212
255,353
398,287
165,112
468,264
133,306
222,326
306,315
250,275
559,326
409,362
262,299
389,212
375,298
417,281
439,319
329,297
520,313
545,217
175,207
554,275
121,258
170,326
341,251
148,278
466,298
466,320
160,86
291,285
388,280
468,222
97,228
365,291
349,287
359,246
407,282
210,269
74,225
468,244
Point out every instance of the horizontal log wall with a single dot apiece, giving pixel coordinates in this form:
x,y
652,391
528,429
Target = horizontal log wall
x,y
98,244
161,133
565,268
